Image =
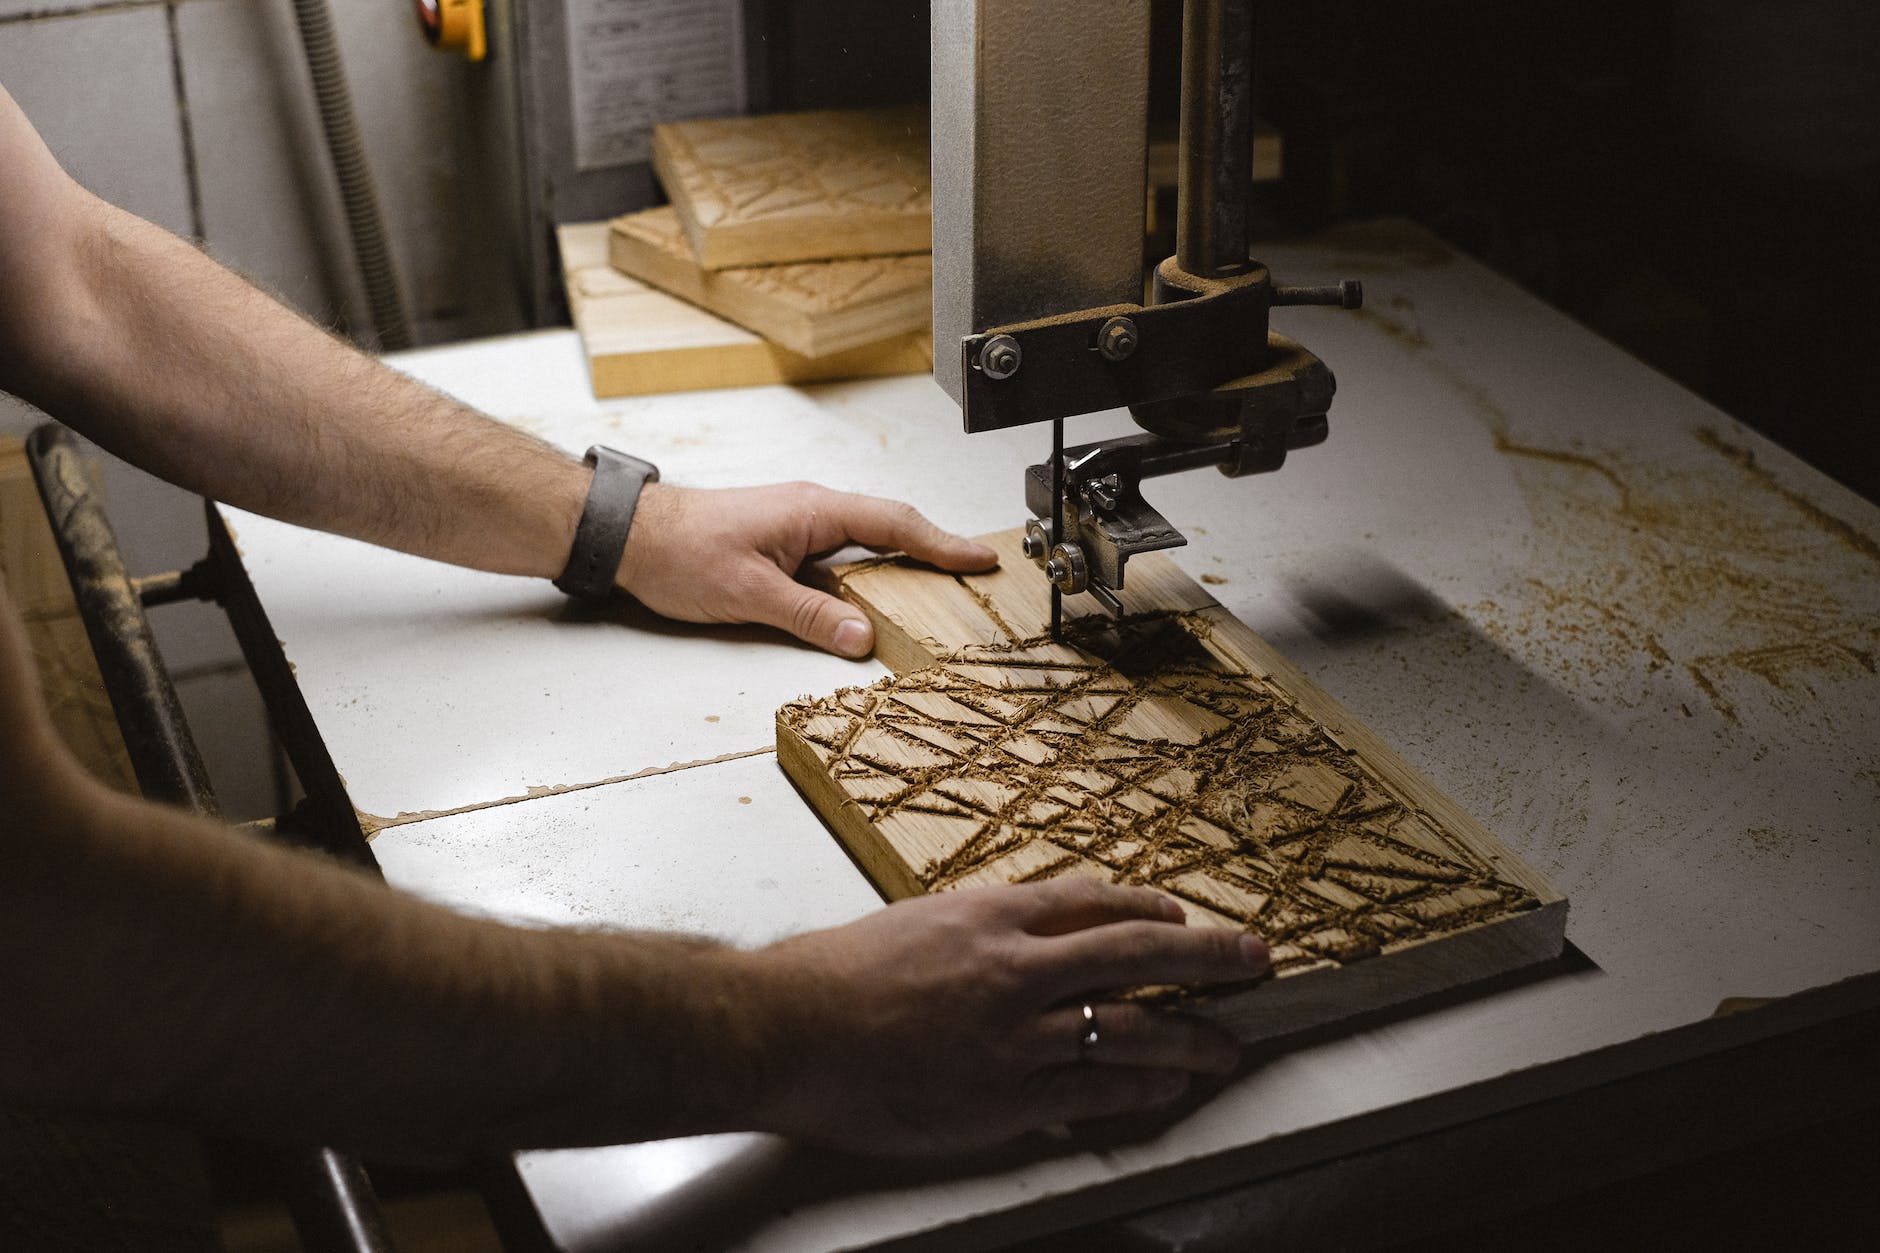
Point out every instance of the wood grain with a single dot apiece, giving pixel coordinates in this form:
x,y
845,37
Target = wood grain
x,y
811,307
1171,747
799,186
640,341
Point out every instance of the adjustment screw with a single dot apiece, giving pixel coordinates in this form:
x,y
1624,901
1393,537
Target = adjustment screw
x,y
1117,339
1000,356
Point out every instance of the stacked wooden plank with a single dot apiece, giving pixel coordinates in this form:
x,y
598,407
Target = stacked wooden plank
x,y
796,249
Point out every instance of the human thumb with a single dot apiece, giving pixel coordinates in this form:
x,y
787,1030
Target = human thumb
x,y
820,619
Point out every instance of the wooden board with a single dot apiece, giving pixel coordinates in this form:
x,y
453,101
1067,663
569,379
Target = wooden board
x,y
1172,748
799,186
810,307
34,580
640,341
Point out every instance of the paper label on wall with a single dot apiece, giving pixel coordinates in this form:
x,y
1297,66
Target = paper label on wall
x,y
632,63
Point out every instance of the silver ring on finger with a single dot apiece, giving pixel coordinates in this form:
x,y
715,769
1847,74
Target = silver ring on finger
x,y
1087,1033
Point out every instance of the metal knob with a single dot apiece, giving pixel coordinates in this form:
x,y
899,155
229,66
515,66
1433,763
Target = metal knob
x,y
1346,295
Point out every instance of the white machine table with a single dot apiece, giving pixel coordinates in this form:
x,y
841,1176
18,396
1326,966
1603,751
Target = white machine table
x,y
1634,639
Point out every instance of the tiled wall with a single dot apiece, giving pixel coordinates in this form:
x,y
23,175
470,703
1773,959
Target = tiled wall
x,y
198,115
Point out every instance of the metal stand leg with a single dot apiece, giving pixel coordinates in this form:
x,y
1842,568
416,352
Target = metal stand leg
x,y
328,1192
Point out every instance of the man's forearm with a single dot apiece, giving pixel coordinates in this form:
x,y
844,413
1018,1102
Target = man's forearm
x,y
139,341
176,364
153,962
178,969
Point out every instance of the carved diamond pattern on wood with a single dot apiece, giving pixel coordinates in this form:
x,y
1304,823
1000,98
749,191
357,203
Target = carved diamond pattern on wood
x,y
799,186
1144,757
771,167
1172,747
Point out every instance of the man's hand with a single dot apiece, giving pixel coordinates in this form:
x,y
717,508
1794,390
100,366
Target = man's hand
x,y
954,1021
731,555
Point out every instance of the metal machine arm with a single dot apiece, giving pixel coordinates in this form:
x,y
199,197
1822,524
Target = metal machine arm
x,y
1046,330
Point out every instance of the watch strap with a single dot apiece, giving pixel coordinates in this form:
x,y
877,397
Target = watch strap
x,y
601,535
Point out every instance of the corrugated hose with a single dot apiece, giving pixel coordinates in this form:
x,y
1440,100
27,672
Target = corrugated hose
x,y
377,270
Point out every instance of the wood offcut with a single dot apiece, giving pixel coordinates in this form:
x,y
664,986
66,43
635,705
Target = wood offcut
x,y
799,186
640,341
1173,748
812,307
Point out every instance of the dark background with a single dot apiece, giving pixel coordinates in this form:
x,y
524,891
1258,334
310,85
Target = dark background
x,y
1699,180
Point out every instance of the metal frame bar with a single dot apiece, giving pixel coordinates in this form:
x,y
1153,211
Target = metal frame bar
x,y
325,819
1214,183
331,1199
1027,223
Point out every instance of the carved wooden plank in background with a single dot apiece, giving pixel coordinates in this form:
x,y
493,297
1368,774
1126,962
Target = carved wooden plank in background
x,y
811,307
1172,748
639,341
799,186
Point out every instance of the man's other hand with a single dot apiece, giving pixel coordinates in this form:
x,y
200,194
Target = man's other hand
x,y
955,1021
731,555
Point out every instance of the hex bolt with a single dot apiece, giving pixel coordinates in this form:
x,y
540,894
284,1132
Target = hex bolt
x,y
1000,356
1117,339
1102,494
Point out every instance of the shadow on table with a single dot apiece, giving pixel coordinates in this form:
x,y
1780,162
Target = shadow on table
x,y
713,1191
1534,763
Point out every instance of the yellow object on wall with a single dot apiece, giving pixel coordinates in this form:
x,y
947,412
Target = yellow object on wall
x,y
454,25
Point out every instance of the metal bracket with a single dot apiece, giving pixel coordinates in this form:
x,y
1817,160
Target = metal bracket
x,y
1077,363
1251,424
1106,520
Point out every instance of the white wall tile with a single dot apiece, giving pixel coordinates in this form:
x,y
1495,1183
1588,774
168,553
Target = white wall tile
x,y
433,128
100,88
269,207
11,8
424,116
270,204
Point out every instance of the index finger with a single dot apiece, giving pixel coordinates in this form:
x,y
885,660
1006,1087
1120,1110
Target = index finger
x,y
1075,902
883,525
1139,954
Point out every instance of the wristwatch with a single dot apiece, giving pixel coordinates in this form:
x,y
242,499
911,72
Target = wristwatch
x,y
601,535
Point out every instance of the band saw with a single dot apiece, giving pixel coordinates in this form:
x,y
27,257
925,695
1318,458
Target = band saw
x,y
1040,121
